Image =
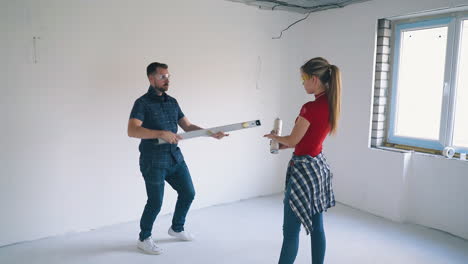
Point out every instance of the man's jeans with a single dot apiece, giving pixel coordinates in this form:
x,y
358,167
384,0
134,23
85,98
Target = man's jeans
x,y
179,178
291,230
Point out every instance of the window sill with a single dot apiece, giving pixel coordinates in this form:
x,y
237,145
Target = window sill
x,y
414,150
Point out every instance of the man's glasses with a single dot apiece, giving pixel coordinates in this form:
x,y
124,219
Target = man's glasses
x,y
305,77
160,77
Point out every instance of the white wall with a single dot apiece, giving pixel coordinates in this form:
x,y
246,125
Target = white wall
x,y
415,188
67,165
438,194
66,162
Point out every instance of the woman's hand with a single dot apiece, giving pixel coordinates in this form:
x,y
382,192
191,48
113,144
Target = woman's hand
x,y
298,132
272,135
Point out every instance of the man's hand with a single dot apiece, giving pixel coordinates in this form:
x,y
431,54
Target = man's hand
x,y
170,137
218,135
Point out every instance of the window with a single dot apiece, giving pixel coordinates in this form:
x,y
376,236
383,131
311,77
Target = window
x,y
460,131
428,92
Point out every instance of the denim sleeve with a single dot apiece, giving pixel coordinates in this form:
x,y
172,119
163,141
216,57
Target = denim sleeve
x,y
180,114
138,110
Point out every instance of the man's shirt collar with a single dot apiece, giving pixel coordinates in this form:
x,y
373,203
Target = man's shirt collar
x,y
159,98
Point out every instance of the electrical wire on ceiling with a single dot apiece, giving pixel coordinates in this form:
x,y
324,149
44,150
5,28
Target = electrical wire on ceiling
x,y
305,7
309,10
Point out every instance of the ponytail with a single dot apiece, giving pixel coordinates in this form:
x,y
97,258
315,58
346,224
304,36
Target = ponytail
x,y
330,76
334,98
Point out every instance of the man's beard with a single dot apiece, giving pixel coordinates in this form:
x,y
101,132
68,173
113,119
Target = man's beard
x,y
162,89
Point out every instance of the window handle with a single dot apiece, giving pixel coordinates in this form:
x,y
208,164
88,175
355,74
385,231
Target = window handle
x,y
446,90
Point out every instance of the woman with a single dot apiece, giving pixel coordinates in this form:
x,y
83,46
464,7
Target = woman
x,y
308,180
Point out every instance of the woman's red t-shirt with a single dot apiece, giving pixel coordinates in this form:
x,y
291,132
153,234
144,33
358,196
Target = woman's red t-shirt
x,y
317,113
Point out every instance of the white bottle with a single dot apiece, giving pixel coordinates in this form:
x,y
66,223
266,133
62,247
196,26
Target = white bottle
x,y
277,127
463,156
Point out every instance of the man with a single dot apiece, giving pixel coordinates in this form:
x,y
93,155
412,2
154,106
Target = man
x,y
156,115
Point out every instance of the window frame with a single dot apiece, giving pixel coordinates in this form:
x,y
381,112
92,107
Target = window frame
x,y
453,21
460,18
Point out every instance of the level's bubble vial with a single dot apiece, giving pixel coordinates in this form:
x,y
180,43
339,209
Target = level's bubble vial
x,y
245,125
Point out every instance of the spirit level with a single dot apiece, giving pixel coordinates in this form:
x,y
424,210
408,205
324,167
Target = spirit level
x,y
210,131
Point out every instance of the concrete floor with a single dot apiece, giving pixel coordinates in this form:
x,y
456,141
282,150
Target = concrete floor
x,y
249,232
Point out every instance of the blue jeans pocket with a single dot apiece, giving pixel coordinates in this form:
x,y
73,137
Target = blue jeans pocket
x,y
145,166
151,173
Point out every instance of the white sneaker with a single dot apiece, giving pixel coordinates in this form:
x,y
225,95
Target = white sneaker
x,y
148,246
184,235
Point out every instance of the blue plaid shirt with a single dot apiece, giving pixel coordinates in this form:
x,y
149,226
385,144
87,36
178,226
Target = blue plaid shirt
x,y
311,187
158,113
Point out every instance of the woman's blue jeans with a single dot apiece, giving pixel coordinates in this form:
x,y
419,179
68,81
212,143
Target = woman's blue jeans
x,y
291,229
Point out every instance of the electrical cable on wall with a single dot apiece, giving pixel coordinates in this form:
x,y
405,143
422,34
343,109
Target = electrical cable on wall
x,y
281,33
35,39
305,9
311,10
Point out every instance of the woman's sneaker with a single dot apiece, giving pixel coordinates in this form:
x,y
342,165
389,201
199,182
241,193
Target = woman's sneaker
x,y
148,246
184,235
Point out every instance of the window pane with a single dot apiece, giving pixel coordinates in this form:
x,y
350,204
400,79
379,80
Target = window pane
x,y
420,83
460,133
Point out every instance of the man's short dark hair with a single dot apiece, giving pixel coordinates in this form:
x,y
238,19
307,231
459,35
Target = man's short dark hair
x,y
153,67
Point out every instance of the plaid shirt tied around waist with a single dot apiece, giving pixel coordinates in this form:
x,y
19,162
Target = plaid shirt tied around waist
x,y
311,187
